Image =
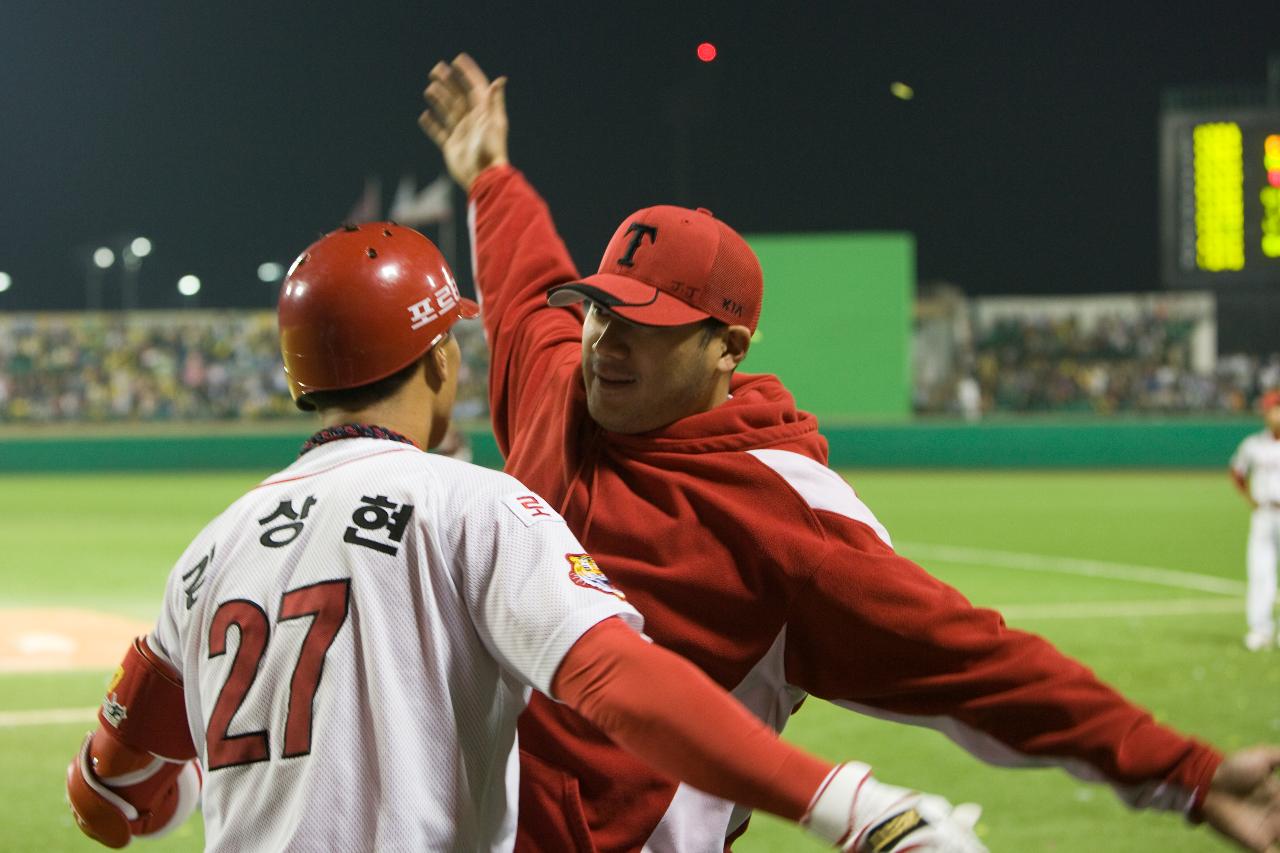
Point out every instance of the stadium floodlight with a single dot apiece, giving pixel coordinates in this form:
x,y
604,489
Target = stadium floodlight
x,y
103,257
141,247
189,285
270,271
6,281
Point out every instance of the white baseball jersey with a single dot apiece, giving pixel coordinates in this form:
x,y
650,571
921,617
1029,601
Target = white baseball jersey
x,y
357,636
1258,458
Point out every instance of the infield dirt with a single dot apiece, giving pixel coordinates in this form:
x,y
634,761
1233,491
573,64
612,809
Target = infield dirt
x,y
56,639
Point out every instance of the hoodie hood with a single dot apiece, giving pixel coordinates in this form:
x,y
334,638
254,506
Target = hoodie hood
x,y
760,413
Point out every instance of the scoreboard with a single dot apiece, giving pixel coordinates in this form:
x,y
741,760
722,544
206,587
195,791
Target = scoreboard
x,y
1220,198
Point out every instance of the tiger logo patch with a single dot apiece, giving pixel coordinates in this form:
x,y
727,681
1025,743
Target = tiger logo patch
x,y
585,572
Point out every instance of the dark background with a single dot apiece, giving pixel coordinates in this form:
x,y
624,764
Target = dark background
x,y
232,133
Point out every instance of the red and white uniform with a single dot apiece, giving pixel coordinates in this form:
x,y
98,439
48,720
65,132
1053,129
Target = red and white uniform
x,y
754,560
357,636
1257,461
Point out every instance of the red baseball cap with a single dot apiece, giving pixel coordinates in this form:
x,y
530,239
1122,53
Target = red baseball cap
x,y
1269,401
668,266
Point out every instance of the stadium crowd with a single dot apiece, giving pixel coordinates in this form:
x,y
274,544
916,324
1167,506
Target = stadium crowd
x,y
224,365
1118,365
158,366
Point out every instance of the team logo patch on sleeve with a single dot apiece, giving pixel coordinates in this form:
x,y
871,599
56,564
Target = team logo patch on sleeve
x,y
530,508
585,573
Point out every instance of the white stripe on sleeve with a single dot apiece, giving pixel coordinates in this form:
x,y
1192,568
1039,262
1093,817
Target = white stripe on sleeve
x,y
820,487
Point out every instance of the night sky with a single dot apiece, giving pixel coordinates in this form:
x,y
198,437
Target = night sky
x,y
232,133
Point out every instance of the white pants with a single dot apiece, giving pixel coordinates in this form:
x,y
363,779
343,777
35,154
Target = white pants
x,y
1264,548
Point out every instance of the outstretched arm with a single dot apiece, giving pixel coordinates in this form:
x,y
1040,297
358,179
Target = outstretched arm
x,y
662,708
924,655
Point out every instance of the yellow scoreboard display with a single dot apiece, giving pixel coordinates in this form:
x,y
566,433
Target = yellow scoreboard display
x,y
1220,198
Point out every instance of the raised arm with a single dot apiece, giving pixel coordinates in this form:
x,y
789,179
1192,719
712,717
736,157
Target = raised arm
x,y
466,117
517,253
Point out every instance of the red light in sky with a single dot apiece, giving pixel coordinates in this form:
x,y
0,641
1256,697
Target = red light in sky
x,y
706,51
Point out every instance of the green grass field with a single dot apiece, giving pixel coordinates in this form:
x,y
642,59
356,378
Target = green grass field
x,y
1063,554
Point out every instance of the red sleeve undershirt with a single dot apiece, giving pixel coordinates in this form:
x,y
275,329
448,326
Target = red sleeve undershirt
x,y
665,710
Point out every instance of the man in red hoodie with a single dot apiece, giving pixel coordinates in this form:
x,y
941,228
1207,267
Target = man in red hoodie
x,y
707,495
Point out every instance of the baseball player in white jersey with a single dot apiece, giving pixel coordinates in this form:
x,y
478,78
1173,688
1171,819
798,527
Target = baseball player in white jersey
x,y
1255,468
341,655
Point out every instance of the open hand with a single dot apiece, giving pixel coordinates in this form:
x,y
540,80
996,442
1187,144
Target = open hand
x,y
466,117
1243,802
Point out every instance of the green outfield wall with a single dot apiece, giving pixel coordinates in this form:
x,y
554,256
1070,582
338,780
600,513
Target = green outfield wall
x,y
922,444
836,322
1035,443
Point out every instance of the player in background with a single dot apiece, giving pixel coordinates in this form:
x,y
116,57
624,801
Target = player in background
x,y
1255,469
346,648
706,493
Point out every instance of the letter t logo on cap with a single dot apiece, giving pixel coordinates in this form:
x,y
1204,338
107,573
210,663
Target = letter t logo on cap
x,y
637,232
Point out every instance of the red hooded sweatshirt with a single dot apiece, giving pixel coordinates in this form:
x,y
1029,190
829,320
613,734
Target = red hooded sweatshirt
x,y
751,558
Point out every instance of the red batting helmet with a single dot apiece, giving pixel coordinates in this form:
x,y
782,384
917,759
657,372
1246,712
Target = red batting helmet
x,y
361,303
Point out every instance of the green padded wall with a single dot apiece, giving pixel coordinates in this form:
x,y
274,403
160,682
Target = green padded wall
x,y
1024,443
836,322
